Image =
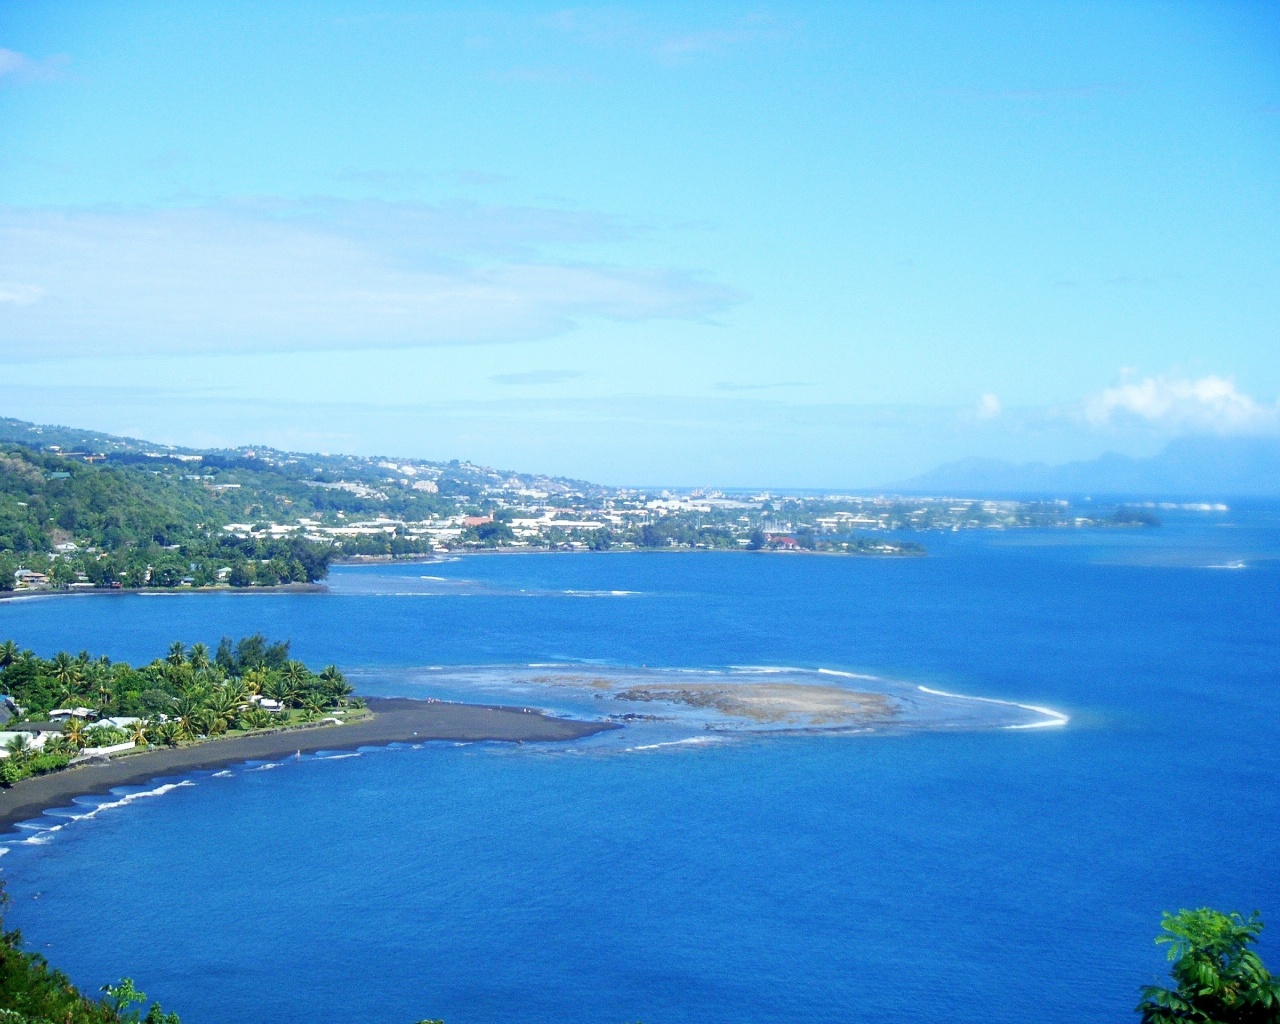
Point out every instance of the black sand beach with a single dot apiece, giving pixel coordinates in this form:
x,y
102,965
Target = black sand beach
x,y
394,720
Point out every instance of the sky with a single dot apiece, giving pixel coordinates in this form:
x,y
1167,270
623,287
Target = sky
x,y
801,245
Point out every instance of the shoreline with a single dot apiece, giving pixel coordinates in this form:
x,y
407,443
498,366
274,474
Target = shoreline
x,y
393,720
445,556
279,588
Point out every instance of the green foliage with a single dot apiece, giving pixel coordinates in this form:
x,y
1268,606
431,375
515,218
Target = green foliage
x,y
136,527
32,992
1218,978
185,695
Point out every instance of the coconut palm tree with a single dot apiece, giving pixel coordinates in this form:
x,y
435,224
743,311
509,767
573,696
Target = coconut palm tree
x,y
65,670
296,674
254,680
278,688
212,723
199,657
336,683
8,653
256,718
19,746
138,732
169,733
75,734
186,711
177,655
312,708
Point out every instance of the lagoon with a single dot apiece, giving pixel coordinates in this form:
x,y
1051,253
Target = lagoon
x,y
981,874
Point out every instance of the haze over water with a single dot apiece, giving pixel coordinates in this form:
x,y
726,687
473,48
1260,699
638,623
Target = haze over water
x,y
980,875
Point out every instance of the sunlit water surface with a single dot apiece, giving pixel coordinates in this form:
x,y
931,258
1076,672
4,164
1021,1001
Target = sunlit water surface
x,y
703,865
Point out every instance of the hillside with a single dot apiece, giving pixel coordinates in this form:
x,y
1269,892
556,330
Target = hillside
x,y
84,508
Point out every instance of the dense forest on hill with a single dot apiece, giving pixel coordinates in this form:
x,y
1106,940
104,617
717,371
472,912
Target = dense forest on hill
x,y
92,509
108,522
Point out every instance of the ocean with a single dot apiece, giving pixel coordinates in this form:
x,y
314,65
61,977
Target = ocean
x,y
958,871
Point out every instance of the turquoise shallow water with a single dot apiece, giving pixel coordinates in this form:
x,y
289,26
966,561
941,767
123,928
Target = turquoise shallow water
x,y
987,875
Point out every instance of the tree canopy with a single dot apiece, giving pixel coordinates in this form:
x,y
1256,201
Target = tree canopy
x,y
1218,977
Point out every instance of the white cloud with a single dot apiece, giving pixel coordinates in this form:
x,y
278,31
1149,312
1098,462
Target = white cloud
x,y
988,407
323,274
1211,404
18,66
19,294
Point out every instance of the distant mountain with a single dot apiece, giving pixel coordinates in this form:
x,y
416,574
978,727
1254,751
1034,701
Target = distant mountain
x,y
1199,467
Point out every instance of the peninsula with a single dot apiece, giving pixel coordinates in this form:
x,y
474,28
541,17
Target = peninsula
x,y
390,720
75,725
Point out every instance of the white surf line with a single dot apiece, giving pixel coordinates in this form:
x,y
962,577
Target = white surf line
x,y
1052,718
678,743
853,675
40,834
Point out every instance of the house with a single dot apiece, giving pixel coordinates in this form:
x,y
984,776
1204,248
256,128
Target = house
x,y
30,578
122,722
63,714
266,703
32,741
477,520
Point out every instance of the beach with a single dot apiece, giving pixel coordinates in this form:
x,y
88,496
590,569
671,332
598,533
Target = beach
x,y
394,720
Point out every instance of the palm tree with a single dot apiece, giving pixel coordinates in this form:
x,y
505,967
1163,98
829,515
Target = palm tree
x,y
256,718
169,733
138,732
19,746
313,708
336,683
236,690
212,723
296,674
65,670
74,732
186,711
177,655
199,657
254,680
279,689
8,653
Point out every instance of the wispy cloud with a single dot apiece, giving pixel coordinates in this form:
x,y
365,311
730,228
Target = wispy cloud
x,y
17,294
534,377
322,274
1037,94
18,67
988,407
725,385
667,43
1209,404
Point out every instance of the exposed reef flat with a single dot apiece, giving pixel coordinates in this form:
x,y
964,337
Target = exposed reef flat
x,y
394,720
772,703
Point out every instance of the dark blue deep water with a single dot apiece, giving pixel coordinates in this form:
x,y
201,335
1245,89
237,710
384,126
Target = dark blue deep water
x,y
967,877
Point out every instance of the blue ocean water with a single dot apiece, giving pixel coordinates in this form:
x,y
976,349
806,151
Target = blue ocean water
x,y
898,877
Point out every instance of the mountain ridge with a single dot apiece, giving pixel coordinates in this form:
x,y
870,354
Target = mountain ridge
x,y
1187,467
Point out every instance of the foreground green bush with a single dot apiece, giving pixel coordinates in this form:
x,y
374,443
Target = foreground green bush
x,y
32,992
1218,978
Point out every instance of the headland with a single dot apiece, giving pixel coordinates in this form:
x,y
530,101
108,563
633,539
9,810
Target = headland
x,y
393,720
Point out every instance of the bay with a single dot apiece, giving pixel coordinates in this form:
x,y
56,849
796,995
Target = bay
x,y
972,875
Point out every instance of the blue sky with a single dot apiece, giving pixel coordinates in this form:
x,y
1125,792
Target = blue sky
x,y
784,245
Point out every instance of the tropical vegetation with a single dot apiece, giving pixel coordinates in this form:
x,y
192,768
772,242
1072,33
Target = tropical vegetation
x,y
1218,978
32,992
192,693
